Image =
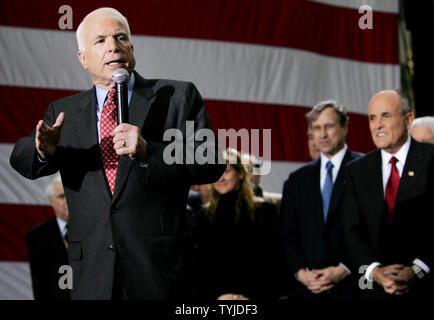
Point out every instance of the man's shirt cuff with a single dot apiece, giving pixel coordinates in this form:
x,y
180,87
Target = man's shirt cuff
x,y
345,267
369,269
422,265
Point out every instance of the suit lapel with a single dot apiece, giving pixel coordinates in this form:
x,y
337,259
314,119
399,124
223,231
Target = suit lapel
x,y
86,121
57,240
338,187
138,109
86,124
411,172
374,179
316,202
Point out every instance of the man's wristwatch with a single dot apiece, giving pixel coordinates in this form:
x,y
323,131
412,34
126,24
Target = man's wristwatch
x,y
418,271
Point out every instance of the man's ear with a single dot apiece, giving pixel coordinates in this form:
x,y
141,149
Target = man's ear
x,y
410,117
82,58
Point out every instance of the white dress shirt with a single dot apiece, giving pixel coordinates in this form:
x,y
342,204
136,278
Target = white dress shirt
x,y
101,95
62,226
336,160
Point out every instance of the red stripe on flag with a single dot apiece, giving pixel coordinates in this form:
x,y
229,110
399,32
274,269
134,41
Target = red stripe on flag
x,y
15,221
22,108
305,25
288,123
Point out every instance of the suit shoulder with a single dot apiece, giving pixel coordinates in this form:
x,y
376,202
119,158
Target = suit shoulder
x,y
356,155
303,170
179,84
426,147
362,160
74,98
42,227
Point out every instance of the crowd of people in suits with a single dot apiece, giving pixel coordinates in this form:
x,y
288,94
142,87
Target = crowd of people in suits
x,y
347,226
332,229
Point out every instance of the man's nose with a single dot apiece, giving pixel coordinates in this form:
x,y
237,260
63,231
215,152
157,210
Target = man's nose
x,y
379,124
112,45
323,132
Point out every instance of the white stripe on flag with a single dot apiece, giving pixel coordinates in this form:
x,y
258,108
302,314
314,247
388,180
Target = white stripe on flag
x,y
15,281
16,189
221,70
390,6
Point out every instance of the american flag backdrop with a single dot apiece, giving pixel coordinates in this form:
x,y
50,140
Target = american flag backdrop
x,y
258,64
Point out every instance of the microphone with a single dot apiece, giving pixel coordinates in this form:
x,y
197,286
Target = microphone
x,y
121,77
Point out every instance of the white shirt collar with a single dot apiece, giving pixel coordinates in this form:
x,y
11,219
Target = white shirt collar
x,y
386,167
101,93
336,159
62,224
401,155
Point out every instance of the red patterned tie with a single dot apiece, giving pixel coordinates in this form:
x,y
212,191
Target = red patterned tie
x,y
392,189
108,123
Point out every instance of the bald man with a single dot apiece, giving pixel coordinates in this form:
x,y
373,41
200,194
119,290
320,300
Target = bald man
x,y
422,129
388,205
128,234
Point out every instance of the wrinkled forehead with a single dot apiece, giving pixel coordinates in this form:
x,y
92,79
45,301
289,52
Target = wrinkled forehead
x,y
385,102
103,23
328,114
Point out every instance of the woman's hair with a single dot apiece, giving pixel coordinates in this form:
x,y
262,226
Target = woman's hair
x,y
246,202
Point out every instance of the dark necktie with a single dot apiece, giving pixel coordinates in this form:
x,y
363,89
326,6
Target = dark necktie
x,y
392,188
107,125
327,189
66,237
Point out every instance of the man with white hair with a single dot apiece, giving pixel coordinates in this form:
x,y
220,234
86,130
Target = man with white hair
x,y
128,235
47,244
422,129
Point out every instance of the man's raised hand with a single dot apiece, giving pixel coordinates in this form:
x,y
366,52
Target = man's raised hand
x,y
47,138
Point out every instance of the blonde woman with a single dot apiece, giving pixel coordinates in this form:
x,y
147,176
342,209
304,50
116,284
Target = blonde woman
x,y
237,240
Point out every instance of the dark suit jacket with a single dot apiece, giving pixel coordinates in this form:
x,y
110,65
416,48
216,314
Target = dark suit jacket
x,y
143,223
308,242
47,253
369,237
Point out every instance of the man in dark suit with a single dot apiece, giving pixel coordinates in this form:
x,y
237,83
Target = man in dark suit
x,y
47,245
311,210
388,205
128,236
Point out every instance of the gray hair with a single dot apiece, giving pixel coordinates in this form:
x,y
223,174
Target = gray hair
x,y
49,189
322,105
80,31
405,101
427,122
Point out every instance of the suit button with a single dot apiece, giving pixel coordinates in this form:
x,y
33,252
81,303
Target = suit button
x,y
111,247
113,211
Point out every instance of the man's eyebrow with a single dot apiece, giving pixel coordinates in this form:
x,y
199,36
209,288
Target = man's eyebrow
x,y
120,33
99,36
